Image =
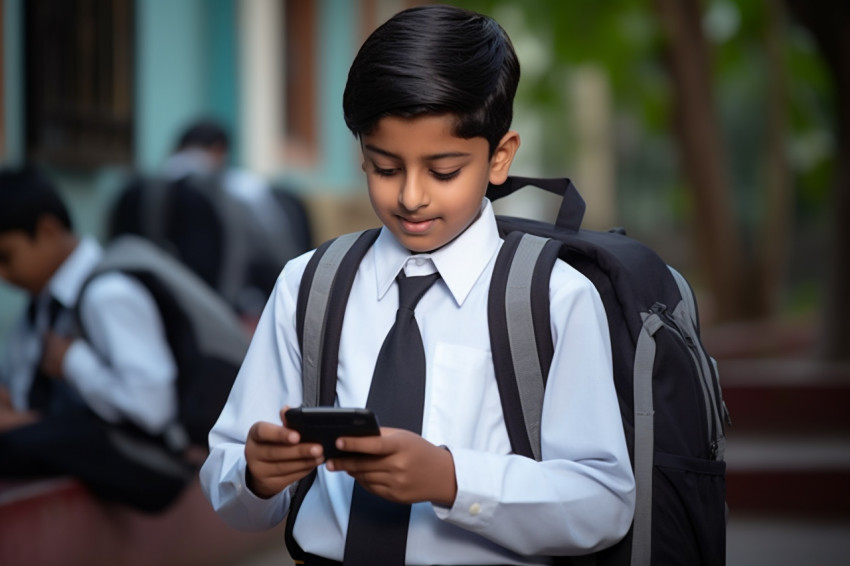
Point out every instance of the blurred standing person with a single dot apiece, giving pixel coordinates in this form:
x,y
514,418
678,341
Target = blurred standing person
x,y
226,223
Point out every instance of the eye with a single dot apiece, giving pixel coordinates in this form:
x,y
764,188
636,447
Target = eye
x,y
381,172
445,176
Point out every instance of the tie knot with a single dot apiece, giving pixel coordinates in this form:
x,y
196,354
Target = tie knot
x,y
411,289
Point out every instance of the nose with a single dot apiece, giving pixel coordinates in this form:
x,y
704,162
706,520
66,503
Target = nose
x,y
413,194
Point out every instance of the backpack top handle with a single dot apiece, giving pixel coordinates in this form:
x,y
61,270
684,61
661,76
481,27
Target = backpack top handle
x,y
572,208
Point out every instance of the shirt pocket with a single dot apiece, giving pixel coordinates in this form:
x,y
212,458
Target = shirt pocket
x,y
464,409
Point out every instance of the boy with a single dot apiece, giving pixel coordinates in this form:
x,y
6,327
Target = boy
x,y
97,408
429,96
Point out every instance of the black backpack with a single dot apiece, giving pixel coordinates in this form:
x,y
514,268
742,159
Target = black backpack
x,y
214,233
206,337
668,388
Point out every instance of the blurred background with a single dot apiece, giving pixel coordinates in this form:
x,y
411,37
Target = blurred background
x,y
716,131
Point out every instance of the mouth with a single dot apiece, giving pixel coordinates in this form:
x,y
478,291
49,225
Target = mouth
x,y
414,225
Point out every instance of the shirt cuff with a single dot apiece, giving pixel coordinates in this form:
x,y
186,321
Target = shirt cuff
x,y
475,502
271,510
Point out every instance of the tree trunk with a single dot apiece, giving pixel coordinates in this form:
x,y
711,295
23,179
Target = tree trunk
x,y
828,22
778,202
718,241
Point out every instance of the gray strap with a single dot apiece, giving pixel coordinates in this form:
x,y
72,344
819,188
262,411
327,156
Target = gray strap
x,y
703,363
216,328
686,293
241,239
521,336
147,453
644,441
314,317
685,315
154,213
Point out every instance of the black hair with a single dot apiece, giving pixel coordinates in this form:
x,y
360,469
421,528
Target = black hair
x,y
27,194
205,133
435,59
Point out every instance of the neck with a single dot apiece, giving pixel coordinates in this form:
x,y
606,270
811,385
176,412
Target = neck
x,y
65,246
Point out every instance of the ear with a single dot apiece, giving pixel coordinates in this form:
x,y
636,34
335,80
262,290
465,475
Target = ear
x,y
48,226
500,163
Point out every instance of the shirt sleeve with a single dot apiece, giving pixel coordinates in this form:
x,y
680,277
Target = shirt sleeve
x,y
269,379
580,497
124,367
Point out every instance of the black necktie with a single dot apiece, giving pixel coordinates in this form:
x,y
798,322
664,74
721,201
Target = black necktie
x,y
42,387
377,528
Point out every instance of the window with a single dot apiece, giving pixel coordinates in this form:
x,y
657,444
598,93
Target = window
x,y
300,128
79,82
2,88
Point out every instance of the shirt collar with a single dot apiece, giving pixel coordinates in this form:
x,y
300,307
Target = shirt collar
x,y
460,262
65,284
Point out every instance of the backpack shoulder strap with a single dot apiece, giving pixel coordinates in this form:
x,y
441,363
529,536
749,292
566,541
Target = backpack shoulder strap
x,y
216,327
520,336
322,297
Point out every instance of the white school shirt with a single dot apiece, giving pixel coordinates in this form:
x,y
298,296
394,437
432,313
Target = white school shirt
x,y
508,508
126,370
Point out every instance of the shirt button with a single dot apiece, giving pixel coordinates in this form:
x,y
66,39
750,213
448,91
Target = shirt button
x,y
475,509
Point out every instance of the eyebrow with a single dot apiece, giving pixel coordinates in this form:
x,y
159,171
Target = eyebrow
x,y
433,157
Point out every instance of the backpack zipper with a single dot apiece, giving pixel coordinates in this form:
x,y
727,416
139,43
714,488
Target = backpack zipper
x,y
669,322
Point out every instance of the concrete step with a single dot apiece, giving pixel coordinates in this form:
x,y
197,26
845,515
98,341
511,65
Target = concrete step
x,y
788,448
787,395
801,475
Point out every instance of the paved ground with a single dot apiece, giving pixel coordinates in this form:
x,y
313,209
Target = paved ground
x,y
756,541
752,541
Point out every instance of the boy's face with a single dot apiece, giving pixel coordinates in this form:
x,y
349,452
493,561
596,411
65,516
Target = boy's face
x,y
26,262
426,185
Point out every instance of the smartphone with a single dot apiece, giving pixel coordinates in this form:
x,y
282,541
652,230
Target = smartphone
x,y
325,424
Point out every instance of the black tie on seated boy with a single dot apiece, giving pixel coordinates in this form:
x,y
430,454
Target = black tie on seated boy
x,y
377,528
42,388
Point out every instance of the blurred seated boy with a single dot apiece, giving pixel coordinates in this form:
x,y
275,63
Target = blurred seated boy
x,y
99,407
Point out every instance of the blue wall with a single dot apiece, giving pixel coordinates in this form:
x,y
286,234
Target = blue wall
x,y
337,47
186,67
186,53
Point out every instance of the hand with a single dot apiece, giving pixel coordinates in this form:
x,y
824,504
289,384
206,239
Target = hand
x,y
399,465
276,457
55,348
10,418
5,399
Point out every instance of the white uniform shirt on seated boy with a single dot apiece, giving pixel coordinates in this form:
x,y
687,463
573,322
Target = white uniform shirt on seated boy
x,y
123,325
584,488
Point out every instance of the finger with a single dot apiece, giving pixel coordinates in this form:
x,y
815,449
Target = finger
x,y
271,452
285,468
265,432
355,464
370,445
283,415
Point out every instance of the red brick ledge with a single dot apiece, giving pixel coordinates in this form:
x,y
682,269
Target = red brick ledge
x,y
58,522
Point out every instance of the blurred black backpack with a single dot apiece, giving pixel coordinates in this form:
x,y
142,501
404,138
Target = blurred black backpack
x,y
668,388
206,337
214,233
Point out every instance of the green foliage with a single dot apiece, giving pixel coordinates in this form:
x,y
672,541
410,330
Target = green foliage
x,y
622,37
